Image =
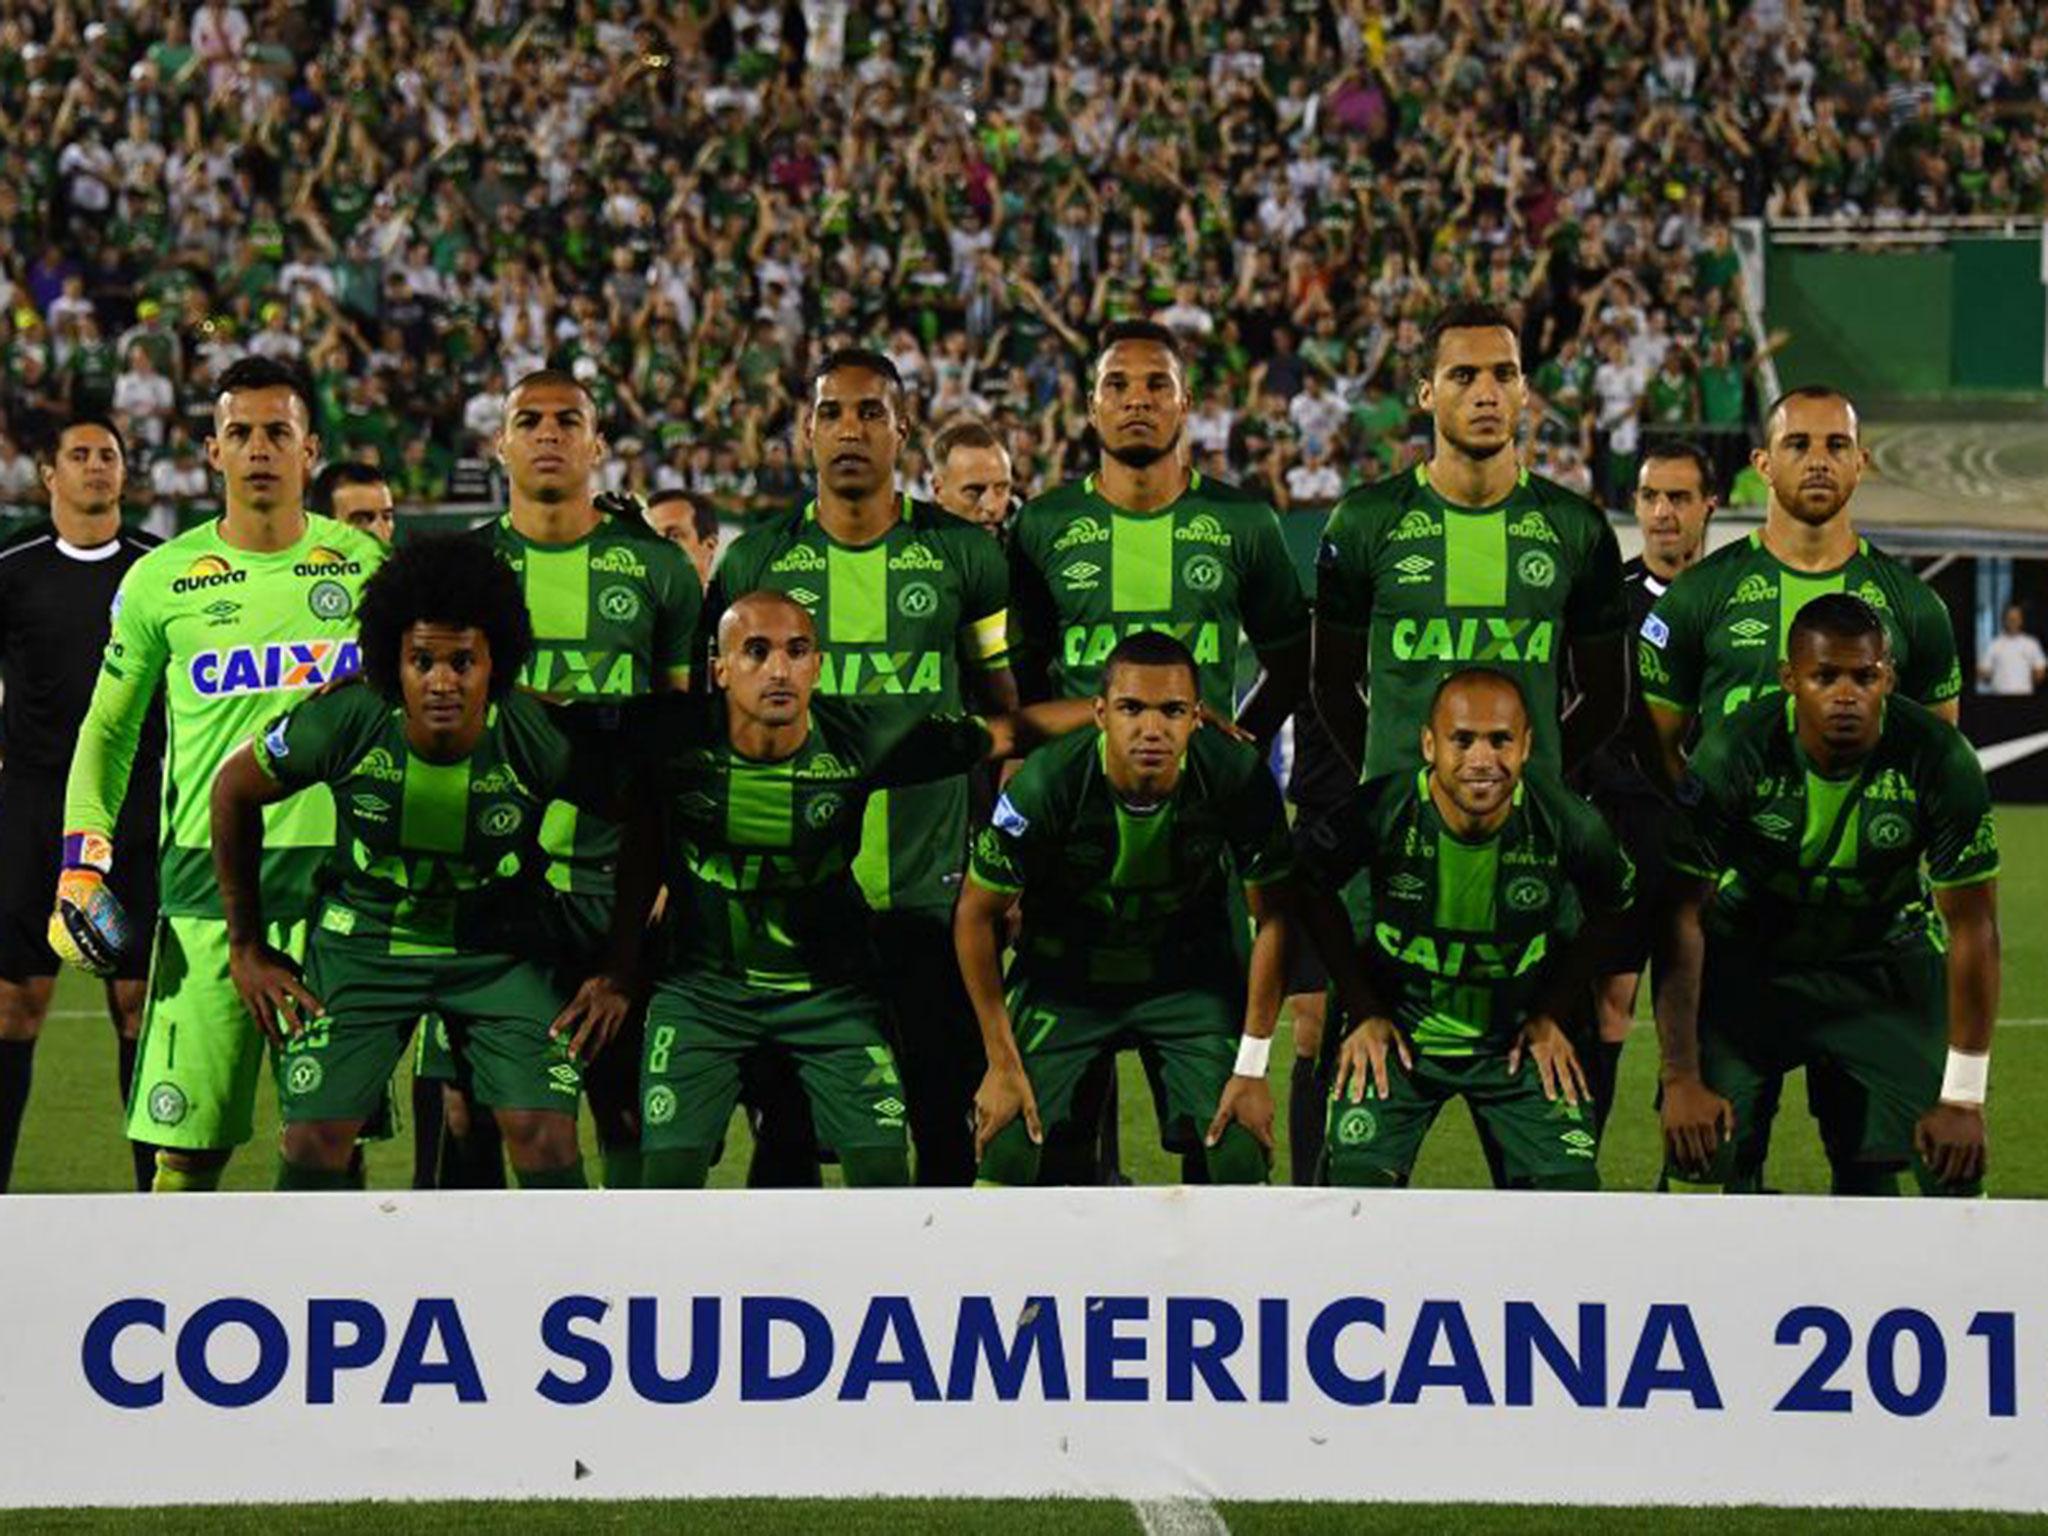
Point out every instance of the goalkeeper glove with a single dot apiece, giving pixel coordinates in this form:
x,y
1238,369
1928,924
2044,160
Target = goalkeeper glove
x,y
88,929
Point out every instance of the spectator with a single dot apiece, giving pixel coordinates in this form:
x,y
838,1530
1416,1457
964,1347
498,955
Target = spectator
x,y
2013,663
145,398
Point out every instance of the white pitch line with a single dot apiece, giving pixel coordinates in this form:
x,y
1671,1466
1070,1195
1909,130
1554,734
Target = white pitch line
x,y
1179,1517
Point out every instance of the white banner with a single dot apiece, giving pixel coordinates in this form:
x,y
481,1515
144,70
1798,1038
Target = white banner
x,y
1253,1344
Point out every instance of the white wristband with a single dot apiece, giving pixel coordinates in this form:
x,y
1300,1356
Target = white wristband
x,y
1965,1079
1252,1055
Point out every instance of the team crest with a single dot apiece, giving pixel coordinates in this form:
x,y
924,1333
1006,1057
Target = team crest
x,y
1536,568
619,604
821,812
917,600
303,1076
503,820
330,600
1526,893
1202,573
661,1104
1356,1126
1890,830
167,1105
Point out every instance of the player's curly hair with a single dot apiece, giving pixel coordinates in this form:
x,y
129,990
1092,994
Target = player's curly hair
x,y
441,579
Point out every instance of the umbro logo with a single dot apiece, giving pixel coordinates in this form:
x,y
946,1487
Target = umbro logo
x,y
1771,823
1749,632
1081,576
1407,885
805,596
1415,569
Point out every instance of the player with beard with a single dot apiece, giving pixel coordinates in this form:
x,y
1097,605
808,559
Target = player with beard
x,y
1145,543
57,584
1716,639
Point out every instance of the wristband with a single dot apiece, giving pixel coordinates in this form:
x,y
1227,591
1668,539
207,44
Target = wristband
x,y
1252,1055
1965,1078
88,850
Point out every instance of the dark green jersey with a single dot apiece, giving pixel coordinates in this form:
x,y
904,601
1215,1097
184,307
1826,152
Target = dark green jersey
x,y
759,855
1435,587
903,622
1116,897
614,616
429,858
1206,569
1715,638
1816,869
1464,934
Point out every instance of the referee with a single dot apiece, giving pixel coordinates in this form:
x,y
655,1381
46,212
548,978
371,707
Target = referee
x,y
57,584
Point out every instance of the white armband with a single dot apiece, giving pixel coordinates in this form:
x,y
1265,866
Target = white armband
x,y
1965,1079
1252,1055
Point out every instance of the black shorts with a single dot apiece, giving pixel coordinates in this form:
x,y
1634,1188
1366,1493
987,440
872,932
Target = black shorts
x,y
1642,821
31,851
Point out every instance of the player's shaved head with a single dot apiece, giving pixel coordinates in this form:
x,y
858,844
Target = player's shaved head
x,y
767,664
759,609
550,379
1479,680
1808,394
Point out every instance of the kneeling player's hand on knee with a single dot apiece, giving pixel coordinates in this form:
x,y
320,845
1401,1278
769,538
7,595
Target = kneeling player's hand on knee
x,y
1004,1094
593,1016
1248,1101
1950,1139
1362,1059
270,989
1557,1064
1696,1121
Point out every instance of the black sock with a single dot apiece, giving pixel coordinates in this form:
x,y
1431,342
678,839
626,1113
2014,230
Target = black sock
x,y
1305,1114
426,1133
140,1152
1606,1074
17,1067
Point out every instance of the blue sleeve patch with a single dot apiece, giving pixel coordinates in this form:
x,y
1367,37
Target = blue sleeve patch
x,y
1656,631
1010,819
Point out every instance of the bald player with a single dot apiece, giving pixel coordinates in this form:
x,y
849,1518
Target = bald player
x,y
751,814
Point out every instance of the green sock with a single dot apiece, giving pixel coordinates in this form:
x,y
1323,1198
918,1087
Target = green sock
x,y
621,1168
185,1181
570,1177
311,1181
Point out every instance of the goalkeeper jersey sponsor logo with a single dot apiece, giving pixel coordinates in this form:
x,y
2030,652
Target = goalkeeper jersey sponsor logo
x,y
208,571
286,664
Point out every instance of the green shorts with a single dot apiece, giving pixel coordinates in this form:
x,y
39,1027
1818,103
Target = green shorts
x,y
1873,1039
1187,1041
574,930
701,1028
498,1010
1544,1143
200,1056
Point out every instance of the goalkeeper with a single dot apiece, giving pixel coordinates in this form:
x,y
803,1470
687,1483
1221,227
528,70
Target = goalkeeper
x,y
228,621
441,773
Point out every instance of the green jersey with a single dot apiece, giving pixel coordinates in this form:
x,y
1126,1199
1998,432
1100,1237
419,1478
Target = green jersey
x,y
430,858
902,622
1121,897
1715,638
229,635
759,855
1813,868
614,616
1434,587
1464,934
1207,569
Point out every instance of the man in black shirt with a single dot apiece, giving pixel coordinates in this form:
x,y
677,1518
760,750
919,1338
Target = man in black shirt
x,y
1624,779
57,585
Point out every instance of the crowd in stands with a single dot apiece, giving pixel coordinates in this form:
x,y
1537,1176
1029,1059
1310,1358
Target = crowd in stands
x,y
685,200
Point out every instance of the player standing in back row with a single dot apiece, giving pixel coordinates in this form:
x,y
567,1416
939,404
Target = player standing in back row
x,y
1716,639
230,619
1468,559
912,611
614,610
57,585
